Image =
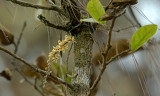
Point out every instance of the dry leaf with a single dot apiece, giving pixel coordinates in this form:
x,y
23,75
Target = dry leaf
x,y
6,38
6,74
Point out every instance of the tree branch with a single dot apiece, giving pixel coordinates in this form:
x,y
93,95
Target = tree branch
x,y
14,62
36,69
25,4
104,64
109,38
104,67
47,23
35,86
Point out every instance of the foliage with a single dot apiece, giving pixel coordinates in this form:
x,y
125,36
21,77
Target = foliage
x,y
142,35
91,20
96,10
57,66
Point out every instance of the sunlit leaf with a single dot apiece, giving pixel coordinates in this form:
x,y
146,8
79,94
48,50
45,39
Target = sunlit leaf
x,y
91,20
96,10
142,35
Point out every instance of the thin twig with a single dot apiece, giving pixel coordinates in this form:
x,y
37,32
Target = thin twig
x,y
35,86
29,82
130,10
66,75
68,60
109,38
16,45
25,4
46,22
14,62
36,69
104,64
108,5
19,39
104,67
125,28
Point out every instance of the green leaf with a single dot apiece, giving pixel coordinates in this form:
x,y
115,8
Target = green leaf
x,y
96,10
142,35
91,20
56,66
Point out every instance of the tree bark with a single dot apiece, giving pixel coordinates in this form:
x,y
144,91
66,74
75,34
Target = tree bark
x,y
83,63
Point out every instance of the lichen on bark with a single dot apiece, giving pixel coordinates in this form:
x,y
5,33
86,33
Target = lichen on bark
x,y
83,62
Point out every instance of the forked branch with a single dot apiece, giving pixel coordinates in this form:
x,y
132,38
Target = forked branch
x,y
36,69
104,67
105,63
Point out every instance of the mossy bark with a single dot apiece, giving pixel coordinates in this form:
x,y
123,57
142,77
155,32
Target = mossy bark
x,y
83,62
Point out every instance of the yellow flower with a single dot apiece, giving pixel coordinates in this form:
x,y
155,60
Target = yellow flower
x,y
66,36
53,55
50,55
55,61
62,46
73,39
59,41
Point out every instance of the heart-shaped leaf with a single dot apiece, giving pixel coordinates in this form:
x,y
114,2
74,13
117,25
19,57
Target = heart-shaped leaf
x,y
142,35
